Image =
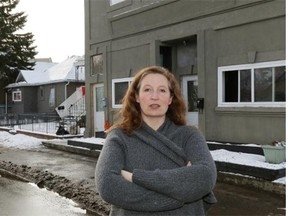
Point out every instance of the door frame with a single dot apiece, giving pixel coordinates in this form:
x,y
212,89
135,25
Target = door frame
x,y
100,116
191,117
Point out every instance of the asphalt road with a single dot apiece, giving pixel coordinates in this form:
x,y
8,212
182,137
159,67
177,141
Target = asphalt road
x,y
237,200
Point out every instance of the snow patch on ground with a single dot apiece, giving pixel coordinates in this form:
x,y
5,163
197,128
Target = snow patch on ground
x,y
253,160
19,141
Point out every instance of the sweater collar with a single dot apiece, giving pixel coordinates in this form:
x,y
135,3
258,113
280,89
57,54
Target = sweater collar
x,y
159,141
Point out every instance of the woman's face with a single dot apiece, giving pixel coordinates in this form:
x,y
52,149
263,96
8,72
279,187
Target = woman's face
x,y
154,97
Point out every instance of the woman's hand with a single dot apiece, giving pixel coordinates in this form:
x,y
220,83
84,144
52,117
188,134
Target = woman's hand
x,y
126,175
189,164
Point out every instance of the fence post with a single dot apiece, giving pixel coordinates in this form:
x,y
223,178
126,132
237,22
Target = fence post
x,y
47,125
33,122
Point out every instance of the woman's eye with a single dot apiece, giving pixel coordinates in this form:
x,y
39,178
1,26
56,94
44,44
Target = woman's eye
x,y
147,90
163,90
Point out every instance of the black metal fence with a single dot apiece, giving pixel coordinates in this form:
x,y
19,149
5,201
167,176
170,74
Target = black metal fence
x,y
38,122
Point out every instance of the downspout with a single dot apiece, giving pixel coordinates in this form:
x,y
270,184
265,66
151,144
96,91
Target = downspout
x,y
66,89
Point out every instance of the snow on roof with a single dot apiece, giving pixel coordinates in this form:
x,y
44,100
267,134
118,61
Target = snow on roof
x,y
47,72
36,75
65,69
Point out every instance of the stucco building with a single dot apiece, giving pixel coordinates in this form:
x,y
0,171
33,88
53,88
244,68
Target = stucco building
x,y
227,55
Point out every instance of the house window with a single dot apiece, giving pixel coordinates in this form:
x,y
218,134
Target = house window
x,y
80,72
16,96
97,65
119,88
113,2
259,84
52,97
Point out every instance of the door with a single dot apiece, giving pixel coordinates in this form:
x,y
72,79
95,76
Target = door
x,y
190,93
98,95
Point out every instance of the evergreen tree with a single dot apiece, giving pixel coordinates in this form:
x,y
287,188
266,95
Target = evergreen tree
x,y
16,50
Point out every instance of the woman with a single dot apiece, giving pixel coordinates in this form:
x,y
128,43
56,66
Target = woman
x,y
152,163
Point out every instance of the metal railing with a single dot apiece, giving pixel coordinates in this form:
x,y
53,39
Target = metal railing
x,y
38,122
78,108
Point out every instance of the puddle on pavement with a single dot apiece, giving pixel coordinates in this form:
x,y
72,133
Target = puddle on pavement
x,y
26,199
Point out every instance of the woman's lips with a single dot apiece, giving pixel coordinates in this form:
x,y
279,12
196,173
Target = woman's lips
x,y
154,106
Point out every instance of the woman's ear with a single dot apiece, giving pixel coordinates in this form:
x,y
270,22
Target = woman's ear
x,y
171,99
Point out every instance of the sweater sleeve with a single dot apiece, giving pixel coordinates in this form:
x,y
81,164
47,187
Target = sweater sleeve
x,y
186,184
114,189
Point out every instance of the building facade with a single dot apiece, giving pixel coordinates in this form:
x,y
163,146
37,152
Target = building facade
x,y
229,57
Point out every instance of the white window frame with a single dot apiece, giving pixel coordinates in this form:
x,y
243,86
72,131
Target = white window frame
x,y
115,81
113,2
15,98
251,67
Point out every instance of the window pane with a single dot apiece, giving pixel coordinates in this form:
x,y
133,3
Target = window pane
x,y
280,86
231,86
120,90
97,64
192,96
245,86
263,84
16,96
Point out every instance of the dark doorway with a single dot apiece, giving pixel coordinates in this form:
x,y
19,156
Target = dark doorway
x,y
166,57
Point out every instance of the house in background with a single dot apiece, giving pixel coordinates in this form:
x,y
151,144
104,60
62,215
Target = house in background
x,y
41,90
5,98
229,57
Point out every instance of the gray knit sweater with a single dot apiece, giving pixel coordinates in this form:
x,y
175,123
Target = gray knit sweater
x,y
162,183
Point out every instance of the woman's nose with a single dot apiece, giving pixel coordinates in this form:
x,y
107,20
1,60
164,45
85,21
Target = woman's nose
x,y
154,94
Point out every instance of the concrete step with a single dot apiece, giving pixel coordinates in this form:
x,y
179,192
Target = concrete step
x,y
250,149
91,146
257,172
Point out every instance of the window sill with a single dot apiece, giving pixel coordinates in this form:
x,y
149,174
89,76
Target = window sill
x,y
251,111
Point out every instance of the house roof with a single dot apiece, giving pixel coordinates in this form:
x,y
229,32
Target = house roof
x,y
48,72
37,75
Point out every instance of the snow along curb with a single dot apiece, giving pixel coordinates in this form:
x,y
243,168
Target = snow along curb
x,y
248,181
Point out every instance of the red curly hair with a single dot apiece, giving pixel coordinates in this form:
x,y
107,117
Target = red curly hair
x,y
130,112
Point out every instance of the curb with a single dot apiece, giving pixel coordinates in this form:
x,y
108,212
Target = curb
x,y
251,182
255,172
71,149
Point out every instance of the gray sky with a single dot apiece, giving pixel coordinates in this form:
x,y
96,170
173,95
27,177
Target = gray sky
x,y
57,26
